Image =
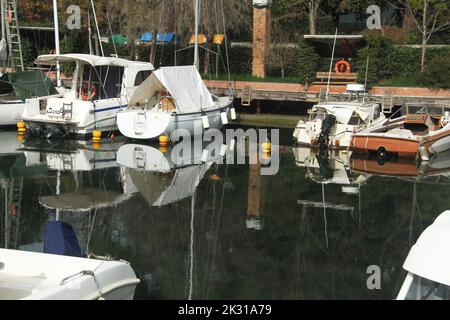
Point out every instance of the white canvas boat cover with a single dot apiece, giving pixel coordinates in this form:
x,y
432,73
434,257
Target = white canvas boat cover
x,y
183,184
429,258
163,189
343,113
184,84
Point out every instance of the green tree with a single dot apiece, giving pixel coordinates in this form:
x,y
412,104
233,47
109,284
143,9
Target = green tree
x,y
307,63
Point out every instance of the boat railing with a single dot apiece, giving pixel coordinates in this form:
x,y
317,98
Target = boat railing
x,y
434,109
162,102
344,96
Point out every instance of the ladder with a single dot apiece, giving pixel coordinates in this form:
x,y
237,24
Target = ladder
x,y
387,101
13,35
246,96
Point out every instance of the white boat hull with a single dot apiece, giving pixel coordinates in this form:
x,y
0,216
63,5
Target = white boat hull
x,y
145,125
11,112
38,276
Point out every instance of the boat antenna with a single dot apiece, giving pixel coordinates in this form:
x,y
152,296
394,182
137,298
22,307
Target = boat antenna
x,y
196,58
57,50
96,25
331,64
112,36
365,80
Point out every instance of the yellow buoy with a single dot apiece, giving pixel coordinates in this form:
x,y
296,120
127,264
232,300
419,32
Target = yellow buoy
x,y
266,147
215,177
163,141
21,127
96,136
163,149
20,138
96,145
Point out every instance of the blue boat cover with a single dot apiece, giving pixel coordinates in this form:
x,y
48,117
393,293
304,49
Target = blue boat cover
x,y
60,239
163,37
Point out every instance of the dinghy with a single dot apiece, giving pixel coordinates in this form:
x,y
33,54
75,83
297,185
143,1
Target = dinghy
x,y
173,98
420,135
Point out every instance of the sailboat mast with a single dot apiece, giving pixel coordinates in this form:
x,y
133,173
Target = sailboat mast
x,y
57,50
2,2
196,58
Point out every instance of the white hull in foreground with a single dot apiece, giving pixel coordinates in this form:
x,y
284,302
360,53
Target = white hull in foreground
x,y
38,276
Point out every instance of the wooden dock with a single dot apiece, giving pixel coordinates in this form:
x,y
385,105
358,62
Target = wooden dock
x,y
269,91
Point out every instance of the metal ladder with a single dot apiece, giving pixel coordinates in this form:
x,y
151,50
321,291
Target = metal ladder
x,y
246,96
387,101
13,35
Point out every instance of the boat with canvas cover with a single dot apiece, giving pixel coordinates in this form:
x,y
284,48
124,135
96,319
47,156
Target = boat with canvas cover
x,y
428,264
173,98
419,133
332,123
101,86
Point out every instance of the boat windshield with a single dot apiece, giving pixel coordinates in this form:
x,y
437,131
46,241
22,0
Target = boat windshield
x,y
424,289
101,82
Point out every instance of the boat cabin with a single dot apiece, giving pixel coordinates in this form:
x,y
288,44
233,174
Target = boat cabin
x,y
98,78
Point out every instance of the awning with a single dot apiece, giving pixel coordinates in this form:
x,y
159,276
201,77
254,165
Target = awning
x,y
201,39
162,37
118,39
184,84
51,59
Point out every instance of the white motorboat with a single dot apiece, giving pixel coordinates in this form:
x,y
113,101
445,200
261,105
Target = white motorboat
x,y
101,86
333,123
173,98
40,276
428,264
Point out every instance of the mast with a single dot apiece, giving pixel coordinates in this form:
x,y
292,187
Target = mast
x,y
2,2
196,58
96,25
57,50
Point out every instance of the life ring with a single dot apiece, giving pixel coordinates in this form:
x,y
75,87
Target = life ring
x,y
445,120
342,66
87,91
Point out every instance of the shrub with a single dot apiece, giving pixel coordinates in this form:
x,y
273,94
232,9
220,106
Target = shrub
x,y
436,73
307,62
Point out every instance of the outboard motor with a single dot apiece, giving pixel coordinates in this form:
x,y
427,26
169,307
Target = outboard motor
x,y
327,124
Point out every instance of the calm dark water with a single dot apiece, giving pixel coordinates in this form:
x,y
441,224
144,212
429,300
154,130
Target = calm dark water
x,y
225,231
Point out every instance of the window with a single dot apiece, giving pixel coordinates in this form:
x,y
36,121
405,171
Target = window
x,y
106,81
141,77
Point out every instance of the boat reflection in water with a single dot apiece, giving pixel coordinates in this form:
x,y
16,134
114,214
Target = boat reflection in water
x,y
65,269
166,176
330,167
436,170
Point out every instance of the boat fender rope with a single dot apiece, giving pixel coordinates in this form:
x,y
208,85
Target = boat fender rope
x,y
85,273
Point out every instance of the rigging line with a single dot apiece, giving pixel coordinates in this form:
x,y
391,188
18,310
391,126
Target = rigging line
x,y
325,214
112,35
226,44
191,266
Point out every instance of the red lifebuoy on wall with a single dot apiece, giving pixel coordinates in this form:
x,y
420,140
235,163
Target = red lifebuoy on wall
x,y
342,66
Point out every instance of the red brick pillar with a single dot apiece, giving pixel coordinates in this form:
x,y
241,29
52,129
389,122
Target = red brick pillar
x,y
261,40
